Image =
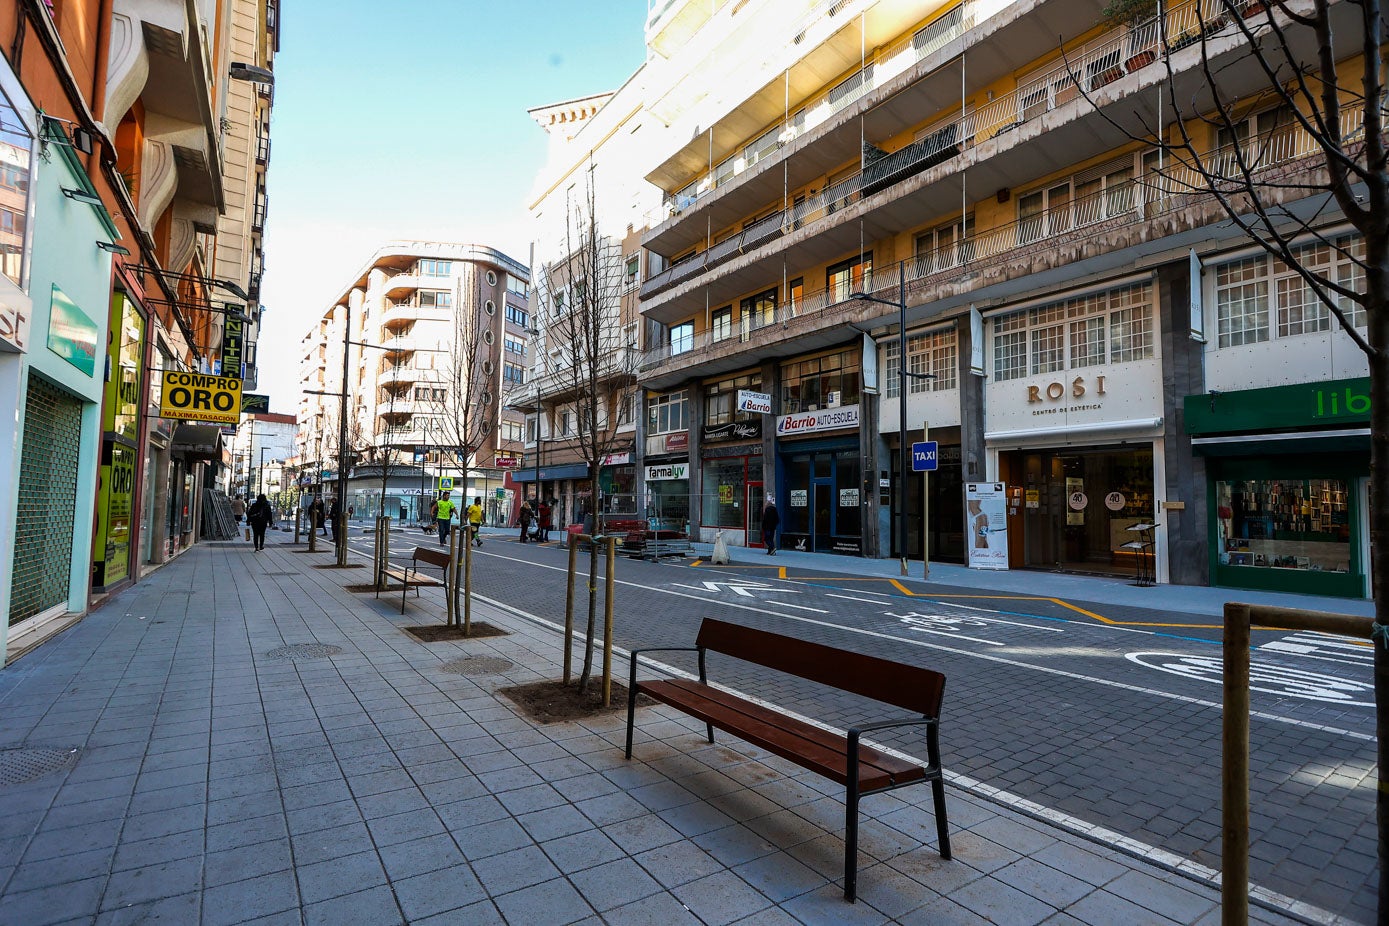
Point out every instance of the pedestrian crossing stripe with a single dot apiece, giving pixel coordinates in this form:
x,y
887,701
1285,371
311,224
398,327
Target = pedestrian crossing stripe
x,y
1318,645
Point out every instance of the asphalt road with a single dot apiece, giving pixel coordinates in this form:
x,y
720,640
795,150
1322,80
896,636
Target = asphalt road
x,y
1109,715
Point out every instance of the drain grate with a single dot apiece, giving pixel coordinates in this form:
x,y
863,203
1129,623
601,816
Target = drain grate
x,y
478,665
25,763
304,651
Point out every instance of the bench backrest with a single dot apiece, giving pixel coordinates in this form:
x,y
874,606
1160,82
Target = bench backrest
x,y
916,689
433,557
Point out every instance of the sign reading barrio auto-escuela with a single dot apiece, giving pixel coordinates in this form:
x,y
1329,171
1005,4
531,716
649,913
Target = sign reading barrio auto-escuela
x,y
759,402
826,419
199,397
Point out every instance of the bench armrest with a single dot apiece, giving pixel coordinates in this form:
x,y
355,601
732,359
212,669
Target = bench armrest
x,y
932,740
668,649
889,724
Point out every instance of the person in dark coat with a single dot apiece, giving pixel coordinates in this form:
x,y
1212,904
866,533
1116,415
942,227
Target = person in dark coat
x,y
544,515
334,515
260,516
771,520
526,517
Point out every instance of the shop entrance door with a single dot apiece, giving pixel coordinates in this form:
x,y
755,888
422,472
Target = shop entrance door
x,y
754,514
823,525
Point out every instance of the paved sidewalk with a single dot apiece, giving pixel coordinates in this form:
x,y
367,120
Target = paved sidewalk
x,y
373,779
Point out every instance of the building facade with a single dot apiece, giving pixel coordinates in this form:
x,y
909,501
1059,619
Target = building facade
x,y
424,341
111,185
960,180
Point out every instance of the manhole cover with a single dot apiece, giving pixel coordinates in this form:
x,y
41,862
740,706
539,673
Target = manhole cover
x,y
304,651
478,665
24,763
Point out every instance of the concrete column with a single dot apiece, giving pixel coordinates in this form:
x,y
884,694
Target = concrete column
x,y
771,384
1183,374
973,466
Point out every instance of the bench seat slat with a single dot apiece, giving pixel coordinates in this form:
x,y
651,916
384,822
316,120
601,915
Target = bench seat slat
x,y
809,746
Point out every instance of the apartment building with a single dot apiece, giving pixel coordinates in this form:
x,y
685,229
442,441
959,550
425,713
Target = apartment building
x,y
1082,329
112,181
424,340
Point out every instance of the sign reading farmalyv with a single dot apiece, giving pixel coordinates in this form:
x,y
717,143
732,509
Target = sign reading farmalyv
x,y
826,419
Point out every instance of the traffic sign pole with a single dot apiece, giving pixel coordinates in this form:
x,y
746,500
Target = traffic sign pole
x,y
926,510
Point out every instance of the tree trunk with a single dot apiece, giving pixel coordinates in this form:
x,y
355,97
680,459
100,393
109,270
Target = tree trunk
x,y
1377,310
592,625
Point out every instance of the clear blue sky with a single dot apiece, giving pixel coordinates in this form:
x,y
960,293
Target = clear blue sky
x,y
408,120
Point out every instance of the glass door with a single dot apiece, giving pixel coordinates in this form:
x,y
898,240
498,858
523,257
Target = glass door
x,y
823,524
754,514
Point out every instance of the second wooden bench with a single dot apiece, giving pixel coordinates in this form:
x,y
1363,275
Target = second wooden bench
x,y
411,577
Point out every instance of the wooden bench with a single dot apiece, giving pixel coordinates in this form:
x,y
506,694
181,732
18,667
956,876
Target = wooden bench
x,y
411,577
844,759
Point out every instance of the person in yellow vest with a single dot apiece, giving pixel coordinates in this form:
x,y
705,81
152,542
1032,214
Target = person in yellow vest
x,y
443,515
475,521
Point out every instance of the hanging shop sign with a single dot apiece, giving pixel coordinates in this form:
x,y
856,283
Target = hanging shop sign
x,y
667,471
758,402
616,459
199,397
253,403
827,419
986,520
500,462
734,430
232,343
71,334
678,441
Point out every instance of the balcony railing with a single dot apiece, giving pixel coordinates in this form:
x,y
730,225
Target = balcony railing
x,y
1130,47
1172,187
263,149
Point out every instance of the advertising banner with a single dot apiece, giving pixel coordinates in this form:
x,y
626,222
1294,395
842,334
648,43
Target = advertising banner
x,y
232,341
986,524
826,419
198,397
759,402
733,430
664,472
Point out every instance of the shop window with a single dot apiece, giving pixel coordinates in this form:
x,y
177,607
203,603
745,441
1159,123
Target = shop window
x,y
1284,524
830,381
668,413
721,398
723,493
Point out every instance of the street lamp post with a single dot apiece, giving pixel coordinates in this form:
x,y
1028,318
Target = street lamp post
x,y
902,376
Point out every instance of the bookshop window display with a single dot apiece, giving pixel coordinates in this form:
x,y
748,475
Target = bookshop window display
x,y
1290,534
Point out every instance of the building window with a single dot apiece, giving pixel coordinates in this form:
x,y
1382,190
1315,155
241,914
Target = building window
x,y
821,382
431,298
626,408
681,337
854,275
435,268
425,394
632,269
511,431
1241,299
1243,288
513,373
931,356
757,312
1090,196
517,316
668,413
513,346
1074,333
721,399
516,285
950,245
721,323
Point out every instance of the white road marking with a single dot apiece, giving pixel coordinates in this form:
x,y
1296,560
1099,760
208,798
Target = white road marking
x,y
1272,679
999,660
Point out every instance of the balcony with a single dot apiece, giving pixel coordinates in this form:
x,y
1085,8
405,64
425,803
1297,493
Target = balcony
x,y
263,149
258,214
397,375
1089,234
397,315
403,283
1040,128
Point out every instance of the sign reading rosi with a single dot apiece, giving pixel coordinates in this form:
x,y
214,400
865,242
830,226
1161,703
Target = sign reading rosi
x,y
758,402
1056,395
667,471
828,419
199,397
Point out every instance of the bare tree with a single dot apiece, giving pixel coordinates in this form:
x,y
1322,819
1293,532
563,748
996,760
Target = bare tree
x,y
592,383
1314,157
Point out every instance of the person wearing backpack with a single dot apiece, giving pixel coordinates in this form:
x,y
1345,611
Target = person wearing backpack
x,y
260,516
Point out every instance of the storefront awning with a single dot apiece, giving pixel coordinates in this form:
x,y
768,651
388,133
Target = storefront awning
x,y
1341,440
198,442
567,471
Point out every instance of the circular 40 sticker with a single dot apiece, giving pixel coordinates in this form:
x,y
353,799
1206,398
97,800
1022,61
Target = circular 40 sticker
x,y
1114,501
1277,680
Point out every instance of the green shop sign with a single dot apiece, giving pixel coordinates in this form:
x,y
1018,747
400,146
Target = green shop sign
x,y
1331,403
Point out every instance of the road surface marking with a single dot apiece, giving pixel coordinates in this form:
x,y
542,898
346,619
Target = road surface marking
x,y
1271,679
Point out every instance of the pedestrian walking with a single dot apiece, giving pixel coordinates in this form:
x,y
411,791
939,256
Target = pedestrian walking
x,y
260,516
443,516
334,516
527,518
238,509
318,519
475,521
771,520
544,515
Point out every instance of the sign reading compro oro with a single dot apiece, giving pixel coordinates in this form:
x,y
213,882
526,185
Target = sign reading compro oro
x,y
199,397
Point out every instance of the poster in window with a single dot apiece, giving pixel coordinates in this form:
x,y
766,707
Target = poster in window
x,y
986,521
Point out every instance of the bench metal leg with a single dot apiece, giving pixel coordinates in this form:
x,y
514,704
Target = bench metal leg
x,y
631,703
942,829
851,841
404,590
